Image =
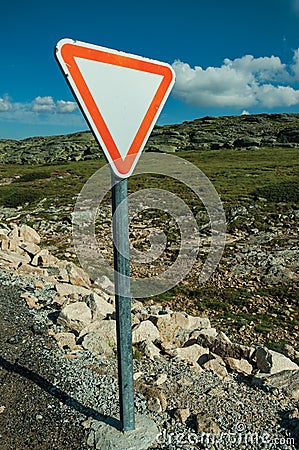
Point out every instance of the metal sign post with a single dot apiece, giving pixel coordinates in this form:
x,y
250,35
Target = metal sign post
x,y
121,96
123,300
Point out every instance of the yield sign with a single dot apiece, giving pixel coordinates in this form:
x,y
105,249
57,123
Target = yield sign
x,y
121,96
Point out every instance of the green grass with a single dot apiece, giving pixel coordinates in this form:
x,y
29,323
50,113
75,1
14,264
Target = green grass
x,y
236,174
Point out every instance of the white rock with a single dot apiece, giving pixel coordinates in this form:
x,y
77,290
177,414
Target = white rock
x,y
182,414
14,259
239,365
281,362
269,361
99,306
105,284
77,276
150,350
102,340
75,316
191,354
187,322
28,234
217,366
65,289
145,331
31,248
161,379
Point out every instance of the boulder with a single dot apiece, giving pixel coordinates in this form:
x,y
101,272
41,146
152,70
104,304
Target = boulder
x,y
290,134
192,354
149,349
77,276
269,361
145,331
31,248
28,234
216,365
239,365
246,141
44,259
65,290
14,259
75,316
100,308
176,326
102,340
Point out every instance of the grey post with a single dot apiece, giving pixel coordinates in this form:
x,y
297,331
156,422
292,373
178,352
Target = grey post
x,y
123,301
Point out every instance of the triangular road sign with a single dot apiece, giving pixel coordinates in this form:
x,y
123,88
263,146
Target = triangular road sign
x,y
121,96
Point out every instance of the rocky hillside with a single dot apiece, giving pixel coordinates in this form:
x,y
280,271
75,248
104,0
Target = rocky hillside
x,y
263,130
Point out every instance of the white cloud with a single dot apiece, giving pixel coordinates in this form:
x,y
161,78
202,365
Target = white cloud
x,y
243,82
5,104
295,65
63,107
38,106
41,110
43,104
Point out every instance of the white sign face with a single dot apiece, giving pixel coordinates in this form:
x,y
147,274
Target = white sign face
x,y
121,96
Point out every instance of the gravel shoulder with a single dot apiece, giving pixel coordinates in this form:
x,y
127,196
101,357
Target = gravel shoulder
x,y
34,417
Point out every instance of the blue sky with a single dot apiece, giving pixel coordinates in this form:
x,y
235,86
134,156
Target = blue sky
x,y
230,57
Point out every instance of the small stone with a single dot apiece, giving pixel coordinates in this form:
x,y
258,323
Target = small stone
x,y
66,340
14,340
205,424
2,409
32,302
182,414
154,405
39,284
87,423
137,375
161,379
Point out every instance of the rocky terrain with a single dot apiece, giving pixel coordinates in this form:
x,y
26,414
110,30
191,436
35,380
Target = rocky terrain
x,y
219,358
189,376
248,131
